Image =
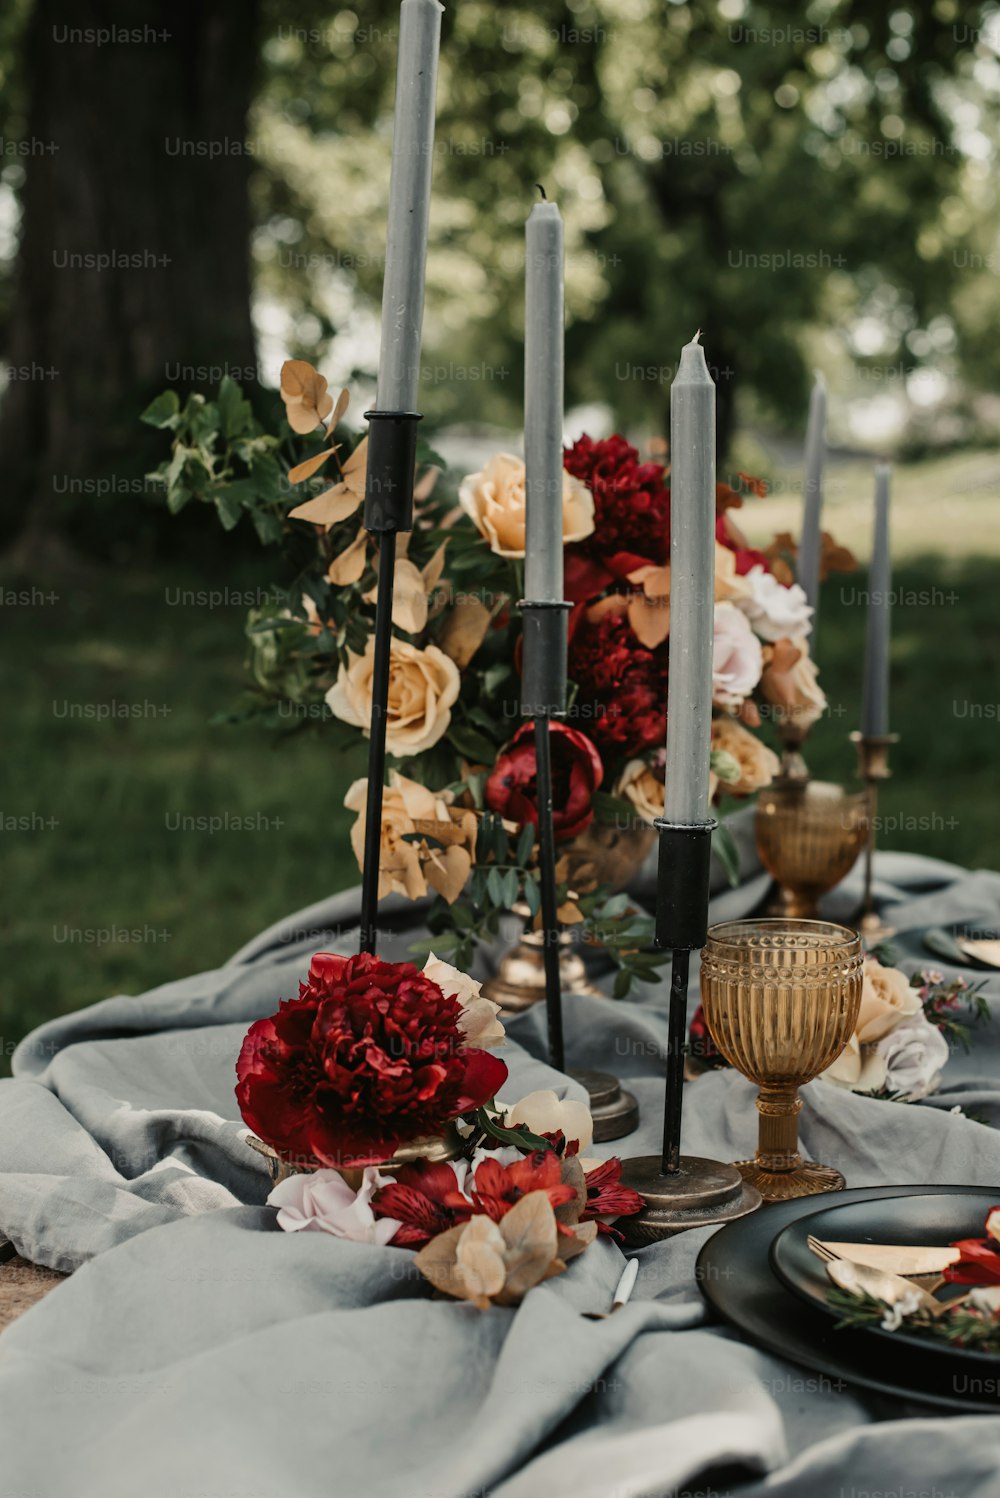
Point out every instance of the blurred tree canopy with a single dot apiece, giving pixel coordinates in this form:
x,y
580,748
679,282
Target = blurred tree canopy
x,y
780,176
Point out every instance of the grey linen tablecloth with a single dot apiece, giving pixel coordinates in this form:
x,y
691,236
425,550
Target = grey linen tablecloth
x,y
198,1352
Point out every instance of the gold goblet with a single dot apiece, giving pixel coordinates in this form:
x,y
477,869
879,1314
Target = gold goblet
x,y
781,1000
809,835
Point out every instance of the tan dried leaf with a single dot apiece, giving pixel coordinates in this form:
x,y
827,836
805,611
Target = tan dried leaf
x,y
306,470
437,1261
356,468
343,401
425,486
350,565
434,568
447,872
409,600
304,392
464,631
584,1234
480,1261
326,509
569,914
530,1238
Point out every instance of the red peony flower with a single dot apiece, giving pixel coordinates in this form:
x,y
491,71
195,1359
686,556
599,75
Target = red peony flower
x,y
576,774
607,1197
622,684
631,515
368,1057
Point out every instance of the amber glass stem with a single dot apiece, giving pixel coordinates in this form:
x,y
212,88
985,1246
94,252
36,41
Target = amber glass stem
x,y
778,1128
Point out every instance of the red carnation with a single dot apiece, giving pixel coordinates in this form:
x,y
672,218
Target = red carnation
x,y
622,684
576,774
368,1057
631,515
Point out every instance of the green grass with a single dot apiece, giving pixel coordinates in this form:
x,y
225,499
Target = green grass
x,y
117,896
161,903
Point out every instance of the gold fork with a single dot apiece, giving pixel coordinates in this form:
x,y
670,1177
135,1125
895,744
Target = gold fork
x,y
888,1257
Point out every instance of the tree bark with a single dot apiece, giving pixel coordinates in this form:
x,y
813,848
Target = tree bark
x,y
133,268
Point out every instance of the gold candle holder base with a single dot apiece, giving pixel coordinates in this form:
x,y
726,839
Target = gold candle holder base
x,y
873,766
614,1110
519,982
701,1193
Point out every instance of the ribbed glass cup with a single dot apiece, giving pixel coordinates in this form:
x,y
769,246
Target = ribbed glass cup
x,y
781,1000
808,838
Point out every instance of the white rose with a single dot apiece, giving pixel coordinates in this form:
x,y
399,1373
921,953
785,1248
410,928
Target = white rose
x,y
737,657
545,1113
321,1201
478,1023
914,1054
776,612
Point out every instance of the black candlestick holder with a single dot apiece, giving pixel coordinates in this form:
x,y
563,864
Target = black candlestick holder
x,y
392,460
681,1191
543,698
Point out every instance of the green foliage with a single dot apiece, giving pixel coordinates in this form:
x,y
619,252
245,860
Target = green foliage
x,y
220,455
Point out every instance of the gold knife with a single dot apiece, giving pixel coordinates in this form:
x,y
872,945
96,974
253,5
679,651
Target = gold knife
x,y
892,1258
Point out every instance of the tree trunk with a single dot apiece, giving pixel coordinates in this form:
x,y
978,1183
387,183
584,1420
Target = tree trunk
x,y
133,269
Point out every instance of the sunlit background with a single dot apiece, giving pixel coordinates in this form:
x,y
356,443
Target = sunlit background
x,y
814,187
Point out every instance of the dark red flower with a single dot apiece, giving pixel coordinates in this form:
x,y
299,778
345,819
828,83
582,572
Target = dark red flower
x,y
576,774
425,1200
607,1197
631,514
622,684
496,1188
703,1047
368,1057
728,535
980,1261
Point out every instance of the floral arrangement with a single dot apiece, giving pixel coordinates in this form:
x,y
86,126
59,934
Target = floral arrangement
x,y
970,1321
373,1056
462,783
903,1035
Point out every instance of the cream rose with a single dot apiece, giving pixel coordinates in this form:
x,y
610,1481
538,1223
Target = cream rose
x,y
790,683
757,763
495,502
640,784
887,1000
479,1023
546,1113
423,685
424,840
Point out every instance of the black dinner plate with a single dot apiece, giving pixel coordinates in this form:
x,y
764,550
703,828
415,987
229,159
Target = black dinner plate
x,y
736,1278
914,1220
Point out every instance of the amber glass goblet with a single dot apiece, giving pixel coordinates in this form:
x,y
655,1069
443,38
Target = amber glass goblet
x,y
809,835
781,1000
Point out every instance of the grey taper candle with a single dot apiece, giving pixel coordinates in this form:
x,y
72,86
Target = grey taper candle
x,y
543,404
812,495
875,693
692,588
409,204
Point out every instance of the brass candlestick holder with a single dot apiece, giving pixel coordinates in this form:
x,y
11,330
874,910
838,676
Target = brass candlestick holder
x,y
873,766
781,1000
